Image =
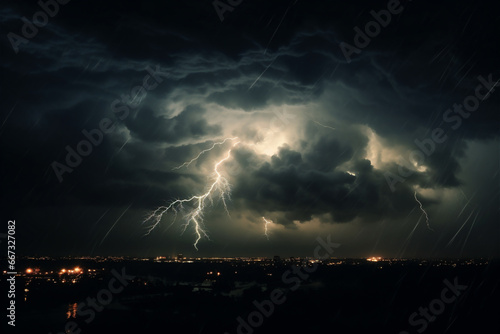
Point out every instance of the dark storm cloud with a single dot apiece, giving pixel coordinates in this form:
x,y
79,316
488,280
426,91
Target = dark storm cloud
x,y
66,78
325,151
189,124
299,185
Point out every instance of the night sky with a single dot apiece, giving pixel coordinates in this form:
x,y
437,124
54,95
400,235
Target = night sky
x,y
340,131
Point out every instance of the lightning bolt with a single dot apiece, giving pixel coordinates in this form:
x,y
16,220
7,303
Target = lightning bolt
x,y
423,211
267,222
325,126
187,163
195,216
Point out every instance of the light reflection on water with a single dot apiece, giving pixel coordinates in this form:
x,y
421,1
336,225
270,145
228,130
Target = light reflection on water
x,y
72,308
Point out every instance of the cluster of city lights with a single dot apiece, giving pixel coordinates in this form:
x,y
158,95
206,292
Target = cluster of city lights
x,y
74,271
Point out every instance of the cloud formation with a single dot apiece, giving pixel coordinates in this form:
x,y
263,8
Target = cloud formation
x,y
319,134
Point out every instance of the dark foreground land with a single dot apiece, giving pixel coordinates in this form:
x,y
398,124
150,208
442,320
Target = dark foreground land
x,y
257,296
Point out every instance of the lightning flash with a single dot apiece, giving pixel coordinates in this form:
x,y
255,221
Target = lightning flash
x,y
187,163
194,216
325,126
266,226
423,211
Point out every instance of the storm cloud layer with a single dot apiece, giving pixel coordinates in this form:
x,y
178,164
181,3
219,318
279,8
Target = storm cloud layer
x,y
328,144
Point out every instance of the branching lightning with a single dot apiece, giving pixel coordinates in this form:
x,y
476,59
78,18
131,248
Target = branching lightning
x,y
423,211
194,216
187,163
266,226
